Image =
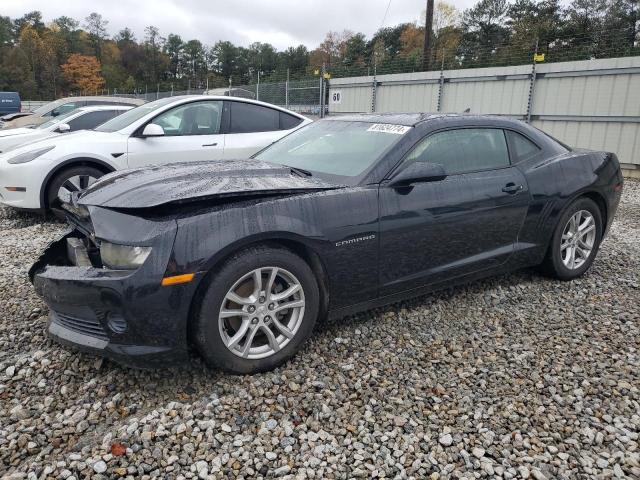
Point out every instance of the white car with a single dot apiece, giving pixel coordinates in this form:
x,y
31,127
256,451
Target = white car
x,y
59,107
85,118
169,130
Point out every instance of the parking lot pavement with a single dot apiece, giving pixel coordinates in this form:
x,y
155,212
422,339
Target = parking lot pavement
x,y
518,376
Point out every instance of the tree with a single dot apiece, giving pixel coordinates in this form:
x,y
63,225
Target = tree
x,y
294,58
411,40
445,15
152,45
484,32
82,72
224,58
124,37
195,58
356,50
31,19
6,31
173,48
530,21
97,29
332,49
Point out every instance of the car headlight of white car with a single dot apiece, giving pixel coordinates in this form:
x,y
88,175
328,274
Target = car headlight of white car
x,y
125,257
29,156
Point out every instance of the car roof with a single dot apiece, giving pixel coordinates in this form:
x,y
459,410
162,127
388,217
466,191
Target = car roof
x,y
237,99
132,101
413,119
97,108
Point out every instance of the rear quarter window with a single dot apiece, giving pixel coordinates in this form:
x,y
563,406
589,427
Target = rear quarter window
x,y
288,121
521,147
250,118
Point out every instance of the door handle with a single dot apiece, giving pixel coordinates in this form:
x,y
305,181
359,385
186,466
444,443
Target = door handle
x,y
210,144
512,188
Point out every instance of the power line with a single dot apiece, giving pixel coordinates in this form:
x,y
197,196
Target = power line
x,y
384,19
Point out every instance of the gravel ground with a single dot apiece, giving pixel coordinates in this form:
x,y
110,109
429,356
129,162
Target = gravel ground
x,y
517,377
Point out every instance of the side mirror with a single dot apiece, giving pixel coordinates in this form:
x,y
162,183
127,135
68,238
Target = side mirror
x,y
152,130
418,172
63,128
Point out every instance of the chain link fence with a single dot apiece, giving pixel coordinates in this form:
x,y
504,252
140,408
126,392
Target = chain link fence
x,y
302,96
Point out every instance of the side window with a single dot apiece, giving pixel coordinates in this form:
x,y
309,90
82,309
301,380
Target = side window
x,y
522,148
463,150
288,121
90,120
198,118
62,109
248,118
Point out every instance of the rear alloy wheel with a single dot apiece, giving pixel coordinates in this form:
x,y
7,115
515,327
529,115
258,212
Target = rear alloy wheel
x,y
578,239
258,310
575,241
70,180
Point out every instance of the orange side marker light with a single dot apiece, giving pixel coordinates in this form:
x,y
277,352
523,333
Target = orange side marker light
x,y
175,280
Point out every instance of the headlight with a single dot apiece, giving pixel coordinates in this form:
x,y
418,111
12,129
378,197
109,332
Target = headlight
x,y
124,257
31,155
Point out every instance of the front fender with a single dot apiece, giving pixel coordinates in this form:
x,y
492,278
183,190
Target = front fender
x,y
320,221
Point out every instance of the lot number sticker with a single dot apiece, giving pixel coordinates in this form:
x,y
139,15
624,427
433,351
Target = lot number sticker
x,y
336,97
389,128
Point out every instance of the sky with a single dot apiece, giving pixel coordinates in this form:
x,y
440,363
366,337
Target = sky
x,y
282,23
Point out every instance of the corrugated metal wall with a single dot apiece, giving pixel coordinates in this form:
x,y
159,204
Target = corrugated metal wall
x,y
589,104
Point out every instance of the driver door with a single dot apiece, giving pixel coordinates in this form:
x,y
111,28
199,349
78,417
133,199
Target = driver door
x,y
435,231
191,133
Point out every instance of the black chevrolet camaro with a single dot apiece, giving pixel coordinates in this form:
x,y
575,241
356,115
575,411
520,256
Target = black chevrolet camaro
x,y
241,258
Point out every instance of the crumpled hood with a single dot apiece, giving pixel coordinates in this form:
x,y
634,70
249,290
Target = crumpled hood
x,y
182,182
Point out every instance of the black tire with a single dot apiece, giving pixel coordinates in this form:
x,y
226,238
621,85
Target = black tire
x,y
60,178
553,264
207,334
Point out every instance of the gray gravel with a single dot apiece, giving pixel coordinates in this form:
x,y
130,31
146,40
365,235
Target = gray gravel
x,y
516,377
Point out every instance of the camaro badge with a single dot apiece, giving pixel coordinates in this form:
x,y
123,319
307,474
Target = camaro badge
x,y
355,240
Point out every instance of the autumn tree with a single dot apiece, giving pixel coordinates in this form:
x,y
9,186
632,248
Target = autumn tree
x,y
82,72
412,40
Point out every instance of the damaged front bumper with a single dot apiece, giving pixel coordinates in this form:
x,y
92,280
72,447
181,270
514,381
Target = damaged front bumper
x,y
125,315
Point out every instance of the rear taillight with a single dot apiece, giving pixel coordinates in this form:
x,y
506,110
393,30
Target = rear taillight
x,y
618,187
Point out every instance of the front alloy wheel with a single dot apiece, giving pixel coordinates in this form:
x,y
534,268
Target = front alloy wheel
x,y
258,308
261,312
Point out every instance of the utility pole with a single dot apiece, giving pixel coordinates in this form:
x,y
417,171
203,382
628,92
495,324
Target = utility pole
x,y
428,37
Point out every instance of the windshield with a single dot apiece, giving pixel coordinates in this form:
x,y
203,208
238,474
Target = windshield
x,y
57,119
334,147
130,116
47,107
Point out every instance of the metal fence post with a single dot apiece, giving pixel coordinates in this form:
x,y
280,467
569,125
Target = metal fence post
x,y
322,72
532,85
374,89
286,90
441,84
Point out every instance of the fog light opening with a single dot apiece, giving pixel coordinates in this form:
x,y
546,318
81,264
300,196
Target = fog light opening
x,y
116,323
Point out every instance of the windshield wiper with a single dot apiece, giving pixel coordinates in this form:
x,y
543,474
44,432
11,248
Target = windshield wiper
x,y
300,171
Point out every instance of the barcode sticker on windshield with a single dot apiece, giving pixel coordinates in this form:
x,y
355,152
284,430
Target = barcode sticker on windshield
x,y
388,128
